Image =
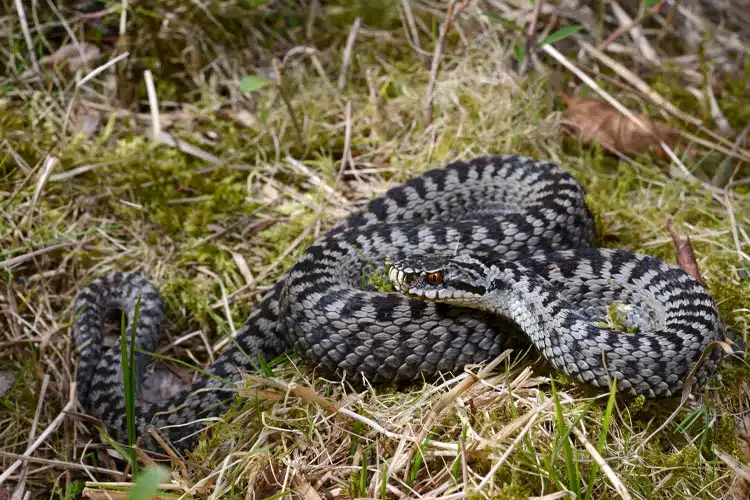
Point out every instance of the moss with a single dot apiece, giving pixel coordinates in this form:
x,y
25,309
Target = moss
x,y
724,435
637,404
617,319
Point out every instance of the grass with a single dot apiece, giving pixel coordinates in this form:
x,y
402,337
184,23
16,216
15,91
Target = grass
x,y
229,223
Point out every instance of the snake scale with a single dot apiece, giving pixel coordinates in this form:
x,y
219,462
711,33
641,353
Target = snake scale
x,y
513,238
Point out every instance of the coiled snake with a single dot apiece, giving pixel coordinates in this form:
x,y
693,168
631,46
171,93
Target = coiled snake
x,y
505,241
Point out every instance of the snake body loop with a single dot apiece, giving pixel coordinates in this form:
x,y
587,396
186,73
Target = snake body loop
x,y
516,224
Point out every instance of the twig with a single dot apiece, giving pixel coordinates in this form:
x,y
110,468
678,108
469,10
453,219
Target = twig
x,y
279,71
14,261
347,55
168,450
346,155
27,35
49,164
60,463
227,312
451,15
716,113
530,35
101,68
312,177
624,29
186,147
638,83
83,81
412,27
738,467
310,395
629,25
613,478
153,103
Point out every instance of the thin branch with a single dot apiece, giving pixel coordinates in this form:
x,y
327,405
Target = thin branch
x,y
451,15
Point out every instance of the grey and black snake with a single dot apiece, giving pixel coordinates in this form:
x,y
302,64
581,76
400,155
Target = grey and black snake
x,y
518,227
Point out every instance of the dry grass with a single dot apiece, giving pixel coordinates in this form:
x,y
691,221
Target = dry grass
x,y
212,193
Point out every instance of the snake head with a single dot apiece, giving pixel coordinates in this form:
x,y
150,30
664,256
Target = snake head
x,y
444,278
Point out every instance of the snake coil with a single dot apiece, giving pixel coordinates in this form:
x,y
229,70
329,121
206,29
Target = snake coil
x,y
525,217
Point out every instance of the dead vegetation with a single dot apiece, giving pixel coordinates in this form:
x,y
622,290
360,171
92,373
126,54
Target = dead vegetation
x,y
128,143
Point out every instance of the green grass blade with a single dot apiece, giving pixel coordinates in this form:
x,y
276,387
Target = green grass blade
x,y
132,430
506,23
574,483
560,34
384,483
456,469
415,466
602,436
127,354
689,420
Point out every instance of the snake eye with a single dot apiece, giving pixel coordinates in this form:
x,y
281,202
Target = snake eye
x,y
435,278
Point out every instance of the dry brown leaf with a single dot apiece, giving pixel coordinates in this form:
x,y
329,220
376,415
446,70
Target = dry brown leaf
x,y
684,249
6,382
738,489
68,57
596,121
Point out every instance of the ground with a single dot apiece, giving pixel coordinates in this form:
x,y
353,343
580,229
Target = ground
x,y
206,144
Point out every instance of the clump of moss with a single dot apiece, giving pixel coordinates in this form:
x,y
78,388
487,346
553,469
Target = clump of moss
x,y
617,319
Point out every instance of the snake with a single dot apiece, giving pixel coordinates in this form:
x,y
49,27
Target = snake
x,y
484,255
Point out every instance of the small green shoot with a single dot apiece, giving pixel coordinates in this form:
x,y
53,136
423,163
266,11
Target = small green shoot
x,y
617,319
147,483
253,83
519,50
